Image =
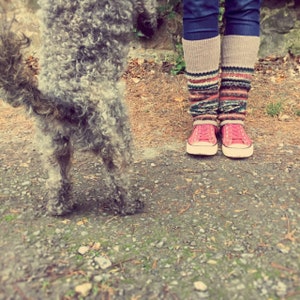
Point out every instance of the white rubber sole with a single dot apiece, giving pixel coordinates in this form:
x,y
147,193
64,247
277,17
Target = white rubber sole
x,y
237,151
206,150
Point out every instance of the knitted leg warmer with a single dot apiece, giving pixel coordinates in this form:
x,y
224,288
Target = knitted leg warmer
x,y
238,57
202,72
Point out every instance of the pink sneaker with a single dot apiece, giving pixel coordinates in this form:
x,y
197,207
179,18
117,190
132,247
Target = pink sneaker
x,y
203,139
235,141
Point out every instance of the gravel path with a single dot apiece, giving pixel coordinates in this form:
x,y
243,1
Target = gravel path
x,y
213,228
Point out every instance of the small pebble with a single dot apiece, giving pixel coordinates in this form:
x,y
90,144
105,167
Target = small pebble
x,y
283,248
103,262
83,289
83,250
160,244
200,286
25,183
281,289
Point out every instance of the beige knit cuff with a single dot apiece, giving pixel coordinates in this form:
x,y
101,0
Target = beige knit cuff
x,y
239,51
202,56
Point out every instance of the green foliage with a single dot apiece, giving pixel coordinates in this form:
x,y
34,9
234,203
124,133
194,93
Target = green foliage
x,y
169,8
9,218
79,258
297,112
274,109
70,294
179,65
46,285
221,15
138,34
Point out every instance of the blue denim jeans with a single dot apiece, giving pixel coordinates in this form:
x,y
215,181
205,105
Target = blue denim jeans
x,y
200,18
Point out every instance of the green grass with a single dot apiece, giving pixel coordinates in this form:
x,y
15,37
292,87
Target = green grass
x,y
9,218
274,109
297,112
46,285
179,65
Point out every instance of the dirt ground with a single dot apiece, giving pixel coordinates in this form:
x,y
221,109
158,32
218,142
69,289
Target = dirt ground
x,y
213,228
157,103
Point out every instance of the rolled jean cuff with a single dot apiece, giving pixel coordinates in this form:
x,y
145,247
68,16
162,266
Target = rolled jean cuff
x,y
200,29
246,29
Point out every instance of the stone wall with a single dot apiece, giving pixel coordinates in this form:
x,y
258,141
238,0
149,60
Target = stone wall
x,y
280,28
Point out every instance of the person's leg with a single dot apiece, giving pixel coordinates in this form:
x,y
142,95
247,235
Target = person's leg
x,y
201,45
240,46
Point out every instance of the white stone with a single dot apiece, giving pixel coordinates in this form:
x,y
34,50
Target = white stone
x,y
83,250
283,248
103,262
200,286
83,289
281,289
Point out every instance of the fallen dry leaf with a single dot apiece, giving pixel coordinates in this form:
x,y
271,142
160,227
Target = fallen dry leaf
x,y
290,236
82,222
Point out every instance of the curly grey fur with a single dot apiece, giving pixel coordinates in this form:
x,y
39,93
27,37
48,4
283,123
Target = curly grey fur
x,y
78,101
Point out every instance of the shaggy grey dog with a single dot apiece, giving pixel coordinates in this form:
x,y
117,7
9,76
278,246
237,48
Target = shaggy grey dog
x,y
78,101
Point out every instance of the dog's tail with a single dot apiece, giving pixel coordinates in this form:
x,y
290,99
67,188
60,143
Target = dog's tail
x,y
18,85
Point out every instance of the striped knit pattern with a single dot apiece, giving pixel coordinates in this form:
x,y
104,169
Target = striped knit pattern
x,y
235,85
238,56
203,95
202,58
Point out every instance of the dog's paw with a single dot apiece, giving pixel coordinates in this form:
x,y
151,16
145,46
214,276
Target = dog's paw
x,y
134,207
124,204
58,209
60,202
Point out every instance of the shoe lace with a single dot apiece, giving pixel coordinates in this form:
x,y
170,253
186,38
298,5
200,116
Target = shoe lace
x,y
237,133
203,132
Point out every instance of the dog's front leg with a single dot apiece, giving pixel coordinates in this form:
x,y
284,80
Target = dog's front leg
x,y
123,199
57,152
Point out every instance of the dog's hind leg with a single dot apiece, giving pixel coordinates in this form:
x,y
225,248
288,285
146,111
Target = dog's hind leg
x,y
57,151
110,138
